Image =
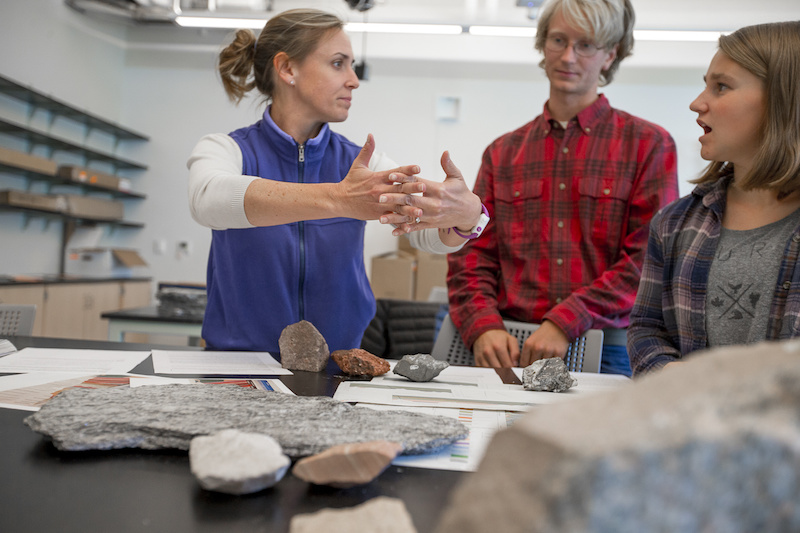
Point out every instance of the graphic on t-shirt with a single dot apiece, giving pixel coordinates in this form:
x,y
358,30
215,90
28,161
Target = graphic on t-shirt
x,y
733,303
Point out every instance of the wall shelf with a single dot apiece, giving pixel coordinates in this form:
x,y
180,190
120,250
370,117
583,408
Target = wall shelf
x,y
52,143
42,101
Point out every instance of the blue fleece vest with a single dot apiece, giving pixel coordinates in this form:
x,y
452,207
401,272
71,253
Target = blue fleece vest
x,y
260,280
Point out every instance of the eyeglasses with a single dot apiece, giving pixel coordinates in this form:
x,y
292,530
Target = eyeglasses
x,y
559,43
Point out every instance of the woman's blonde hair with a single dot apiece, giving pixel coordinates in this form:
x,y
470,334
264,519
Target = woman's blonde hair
x,y
771,52
247,62
608,22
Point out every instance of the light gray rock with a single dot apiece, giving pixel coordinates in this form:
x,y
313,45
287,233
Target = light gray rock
x,y
709,445
378,515
235,462
548,375
169,416
419,367
303,347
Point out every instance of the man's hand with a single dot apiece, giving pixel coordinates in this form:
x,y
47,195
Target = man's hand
x,y
358,194
496,348
547,341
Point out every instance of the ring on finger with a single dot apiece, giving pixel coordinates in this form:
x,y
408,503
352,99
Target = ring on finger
x,y
416,220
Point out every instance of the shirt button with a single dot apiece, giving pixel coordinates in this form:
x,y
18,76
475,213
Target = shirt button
x,y
559,261
606,191
796,238
587,130
560,224
565,150
516,194
558,300
563,186
787,285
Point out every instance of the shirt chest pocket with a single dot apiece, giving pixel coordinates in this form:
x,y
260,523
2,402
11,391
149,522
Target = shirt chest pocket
x,y
603,206
520,215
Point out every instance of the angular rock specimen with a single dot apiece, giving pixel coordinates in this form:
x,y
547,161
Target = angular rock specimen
x,y
169,416
381,514
235,462
709,445
549,375
419,367
358,362
347,465
303,347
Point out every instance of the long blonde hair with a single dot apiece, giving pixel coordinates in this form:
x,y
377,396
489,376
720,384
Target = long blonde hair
x,y
247,62
771,52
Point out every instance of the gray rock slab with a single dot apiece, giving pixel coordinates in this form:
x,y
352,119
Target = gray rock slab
x,y
709,445
235,462
419,367
547,375
378,515
169,416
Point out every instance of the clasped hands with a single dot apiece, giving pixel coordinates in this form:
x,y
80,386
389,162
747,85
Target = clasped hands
x,y
497,348
402,198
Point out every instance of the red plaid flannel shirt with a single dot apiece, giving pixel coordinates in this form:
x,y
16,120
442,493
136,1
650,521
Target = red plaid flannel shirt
x,y
570,216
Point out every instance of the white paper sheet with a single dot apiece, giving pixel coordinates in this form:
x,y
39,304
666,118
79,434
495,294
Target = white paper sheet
x,y
210,363
29,391
64,360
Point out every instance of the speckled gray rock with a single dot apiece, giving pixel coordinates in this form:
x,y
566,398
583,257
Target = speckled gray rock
x,y
381,515
549,375
235,462
709,445
303,347
169,416
419,367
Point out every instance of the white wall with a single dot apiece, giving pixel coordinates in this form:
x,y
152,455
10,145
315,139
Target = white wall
x,y
172,95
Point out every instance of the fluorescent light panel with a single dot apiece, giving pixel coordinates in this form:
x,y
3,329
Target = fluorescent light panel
x,y
379,27
443,29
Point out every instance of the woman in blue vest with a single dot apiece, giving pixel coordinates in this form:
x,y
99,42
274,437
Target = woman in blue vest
x,y
287,198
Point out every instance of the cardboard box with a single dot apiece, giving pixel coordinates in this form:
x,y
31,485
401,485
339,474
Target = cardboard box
x,y
25,161
404,245
103,262
90,177
94,208
46,202
431,272
393,275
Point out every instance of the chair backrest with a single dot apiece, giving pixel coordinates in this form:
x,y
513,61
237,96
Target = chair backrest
x,y
17,319
583,355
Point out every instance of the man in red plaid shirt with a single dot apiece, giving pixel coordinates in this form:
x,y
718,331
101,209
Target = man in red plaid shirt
x,y
570,196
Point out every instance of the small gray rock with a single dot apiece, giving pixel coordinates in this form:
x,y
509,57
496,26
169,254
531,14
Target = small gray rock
x,y
303,347
419,367
235,462
549,375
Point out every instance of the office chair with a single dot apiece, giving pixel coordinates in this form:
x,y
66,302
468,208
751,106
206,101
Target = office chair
x,y
583,355
16,319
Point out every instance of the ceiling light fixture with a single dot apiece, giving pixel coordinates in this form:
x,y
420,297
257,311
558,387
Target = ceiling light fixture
x,y
379,27
220,22
503,31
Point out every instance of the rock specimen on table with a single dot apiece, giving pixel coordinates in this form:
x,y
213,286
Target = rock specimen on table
x,y
380,515
549,375
708,445
235,462
169,416
303,347
347,465
358,362
419,367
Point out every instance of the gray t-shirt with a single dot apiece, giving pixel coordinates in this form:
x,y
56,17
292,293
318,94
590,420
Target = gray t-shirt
x,y
741,281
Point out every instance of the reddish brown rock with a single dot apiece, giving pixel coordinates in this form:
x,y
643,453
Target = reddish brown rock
x,y
348,465
358,362
387,515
